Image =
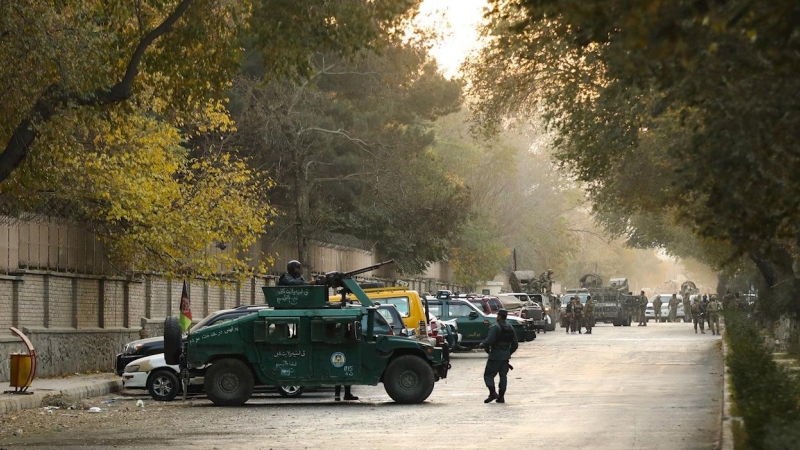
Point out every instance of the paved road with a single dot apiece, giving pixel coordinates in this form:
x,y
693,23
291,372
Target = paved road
x,y
657,387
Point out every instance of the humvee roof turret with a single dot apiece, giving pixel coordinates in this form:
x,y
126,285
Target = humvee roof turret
x,y
305,341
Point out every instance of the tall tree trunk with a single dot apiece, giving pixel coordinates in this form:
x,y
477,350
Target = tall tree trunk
x,y
302,214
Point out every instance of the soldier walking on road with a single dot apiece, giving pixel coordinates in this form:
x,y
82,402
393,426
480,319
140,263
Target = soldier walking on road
x,y
697,315
657,308
642,308
588,314
713,309
673,308
500,344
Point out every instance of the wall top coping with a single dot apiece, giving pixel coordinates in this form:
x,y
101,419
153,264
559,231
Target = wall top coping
x,y
42,330
22,272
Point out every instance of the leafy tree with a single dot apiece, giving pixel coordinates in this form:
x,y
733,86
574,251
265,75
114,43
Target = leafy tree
x,y
114,113
349,149
689,102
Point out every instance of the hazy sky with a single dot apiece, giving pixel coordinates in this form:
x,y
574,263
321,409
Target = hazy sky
x,y
456,22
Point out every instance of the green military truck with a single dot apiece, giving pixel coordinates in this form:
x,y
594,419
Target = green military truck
x,y
612,303
305,341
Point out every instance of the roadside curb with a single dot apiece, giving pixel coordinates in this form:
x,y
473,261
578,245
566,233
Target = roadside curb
x,y
726,433
93,389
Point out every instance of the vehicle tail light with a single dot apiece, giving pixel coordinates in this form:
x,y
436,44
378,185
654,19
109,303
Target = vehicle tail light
x,y
434,329
524,314
439,340
391,332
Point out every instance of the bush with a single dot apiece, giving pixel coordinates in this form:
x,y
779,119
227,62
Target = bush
x,y
766,396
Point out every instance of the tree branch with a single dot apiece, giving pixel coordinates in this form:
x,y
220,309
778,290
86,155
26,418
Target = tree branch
x,y
55,97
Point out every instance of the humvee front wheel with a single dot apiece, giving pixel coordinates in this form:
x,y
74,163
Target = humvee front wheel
x,y
229,382
408,379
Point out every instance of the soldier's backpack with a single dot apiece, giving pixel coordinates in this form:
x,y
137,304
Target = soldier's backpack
x,y
712,307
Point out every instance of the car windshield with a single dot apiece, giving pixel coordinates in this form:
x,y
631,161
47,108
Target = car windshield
x,y
392,319
401,303
567,298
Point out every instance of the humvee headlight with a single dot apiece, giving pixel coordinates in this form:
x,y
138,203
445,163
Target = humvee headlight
x,y
430,351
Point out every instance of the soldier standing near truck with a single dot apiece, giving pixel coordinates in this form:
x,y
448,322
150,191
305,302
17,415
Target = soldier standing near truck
x,y
577,315
642,309
588,314
500,344
568,316
687,309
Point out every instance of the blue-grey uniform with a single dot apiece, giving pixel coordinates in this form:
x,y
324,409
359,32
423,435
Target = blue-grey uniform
x,y
287,279
293,275
500,344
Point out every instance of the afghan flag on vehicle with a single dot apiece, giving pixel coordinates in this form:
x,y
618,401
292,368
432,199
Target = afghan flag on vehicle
x,y
186,310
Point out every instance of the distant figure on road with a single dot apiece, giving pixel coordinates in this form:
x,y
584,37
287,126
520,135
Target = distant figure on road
x,y
727,300
713,309
706,301
673,308
657,308
642,309
500,344
697,315
687,308
588,314
568,314
577,315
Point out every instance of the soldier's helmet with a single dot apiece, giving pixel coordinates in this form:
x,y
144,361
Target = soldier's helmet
x,y
293,264
502,313
549,270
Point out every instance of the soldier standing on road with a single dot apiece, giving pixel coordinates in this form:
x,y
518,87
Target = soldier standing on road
x,y
713,309
642,309
500,344
568,315
588,314
577,315
293,275
697,315
687,309
706,301
657,308
673,308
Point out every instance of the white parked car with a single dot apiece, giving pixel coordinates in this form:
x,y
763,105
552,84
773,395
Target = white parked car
x,y
163,381
152,372
680,315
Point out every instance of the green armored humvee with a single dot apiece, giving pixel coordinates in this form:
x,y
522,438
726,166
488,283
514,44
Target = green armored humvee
x,y
304,341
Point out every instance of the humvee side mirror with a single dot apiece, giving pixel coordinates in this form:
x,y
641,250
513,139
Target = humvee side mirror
x,y
473,315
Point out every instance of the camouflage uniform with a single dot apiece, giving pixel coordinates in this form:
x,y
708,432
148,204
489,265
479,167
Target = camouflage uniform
x,y
657,308
673,308
713,309
577,315
588,315
697,316
642,308
568,314
687,309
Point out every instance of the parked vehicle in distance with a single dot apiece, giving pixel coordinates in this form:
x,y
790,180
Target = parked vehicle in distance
x,y
680,313
473,324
